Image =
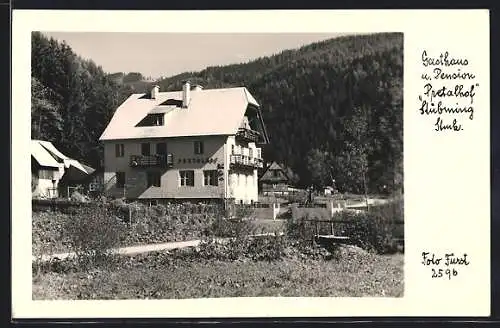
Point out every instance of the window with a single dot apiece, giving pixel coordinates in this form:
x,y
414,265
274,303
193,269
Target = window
x,y
275,173
161,148
232,149
210,178
250,152
119,150
120,179
156,119
198,147
154,179
145,149
187,178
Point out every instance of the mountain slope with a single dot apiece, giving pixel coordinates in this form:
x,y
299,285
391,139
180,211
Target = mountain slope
x,y
308,95
333,109
72,99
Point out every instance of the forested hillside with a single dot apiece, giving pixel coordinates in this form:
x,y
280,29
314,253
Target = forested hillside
x,y
72,99
333,109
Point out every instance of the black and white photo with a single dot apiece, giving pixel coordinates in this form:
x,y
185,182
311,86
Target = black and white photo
x,y
184,165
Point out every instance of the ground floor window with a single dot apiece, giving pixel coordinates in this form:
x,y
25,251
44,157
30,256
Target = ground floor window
x,y
186,178
210,178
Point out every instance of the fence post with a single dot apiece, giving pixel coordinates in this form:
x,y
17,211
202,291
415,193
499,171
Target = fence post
x,y
130,214
315,234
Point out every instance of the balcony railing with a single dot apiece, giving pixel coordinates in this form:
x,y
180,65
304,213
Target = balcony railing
x,y
248,135
151,160
237,160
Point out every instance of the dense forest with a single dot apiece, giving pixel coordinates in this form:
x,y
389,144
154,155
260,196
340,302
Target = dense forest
x,y
333,109
72,99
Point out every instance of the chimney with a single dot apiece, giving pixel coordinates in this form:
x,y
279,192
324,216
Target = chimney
x,y
198,87
155,91
186,94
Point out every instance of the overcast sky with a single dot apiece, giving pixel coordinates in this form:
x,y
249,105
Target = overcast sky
x,y
164,54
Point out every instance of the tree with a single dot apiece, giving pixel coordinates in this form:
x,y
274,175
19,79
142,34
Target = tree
x,y
72,99
320,168
354,157
46,122
311,100
294,178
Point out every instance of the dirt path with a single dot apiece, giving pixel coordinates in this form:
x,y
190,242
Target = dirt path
x,y
138,249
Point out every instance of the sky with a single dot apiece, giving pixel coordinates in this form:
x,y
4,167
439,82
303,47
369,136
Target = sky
x,y
167,54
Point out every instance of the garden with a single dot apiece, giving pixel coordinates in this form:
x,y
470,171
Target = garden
x,y
238,257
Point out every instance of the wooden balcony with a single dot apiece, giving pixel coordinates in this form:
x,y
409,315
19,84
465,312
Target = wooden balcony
x,y
151,160
248,135
244,161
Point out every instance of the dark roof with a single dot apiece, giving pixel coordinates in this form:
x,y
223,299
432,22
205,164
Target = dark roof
x,y
268,175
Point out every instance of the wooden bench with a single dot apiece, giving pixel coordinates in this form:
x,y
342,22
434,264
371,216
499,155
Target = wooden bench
x,y
332,237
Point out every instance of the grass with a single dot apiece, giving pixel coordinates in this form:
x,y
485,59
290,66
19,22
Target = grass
x,y
264,266
159,276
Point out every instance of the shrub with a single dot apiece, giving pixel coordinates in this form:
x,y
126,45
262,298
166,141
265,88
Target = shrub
x,y
93,232
376,230
172,222
267,248
264,248
234,228
243,211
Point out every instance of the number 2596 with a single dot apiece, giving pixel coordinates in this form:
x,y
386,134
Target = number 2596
x,y
440,273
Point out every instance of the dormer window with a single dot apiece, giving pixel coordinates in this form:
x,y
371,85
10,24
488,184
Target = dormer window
x,y
156,119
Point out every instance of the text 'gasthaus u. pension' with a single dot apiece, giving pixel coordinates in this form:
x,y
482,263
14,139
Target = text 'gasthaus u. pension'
x,y
448,91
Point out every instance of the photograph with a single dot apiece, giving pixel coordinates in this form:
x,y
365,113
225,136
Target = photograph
x,y
215,165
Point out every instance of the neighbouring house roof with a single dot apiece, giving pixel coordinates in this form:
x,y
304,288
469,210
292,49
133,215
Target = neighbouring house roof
x,y
209,112
88,169
269,174
274,166
46,154
42,156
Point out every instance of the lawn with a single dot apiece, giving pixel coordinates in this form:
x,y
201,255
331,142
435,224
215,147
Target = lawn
x,y
161,276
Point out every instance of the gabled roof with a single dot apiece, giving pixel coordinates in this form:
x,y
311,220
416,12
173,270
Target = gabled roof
x,y
50,147
268,176
46,154
42,156
209,112
274,166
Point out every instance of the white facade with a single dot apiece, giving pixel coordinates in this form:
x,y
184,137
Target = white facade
x,y
242,185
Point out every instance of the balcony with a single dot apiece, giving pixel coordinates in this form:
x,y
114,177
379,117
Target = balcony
x,y
248,135
244,161
151,160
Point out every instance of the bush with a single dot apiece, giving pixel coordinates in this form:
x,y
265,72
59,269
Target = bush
x,y
376,230
172,222
93,232
264,248
239,244
234,228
